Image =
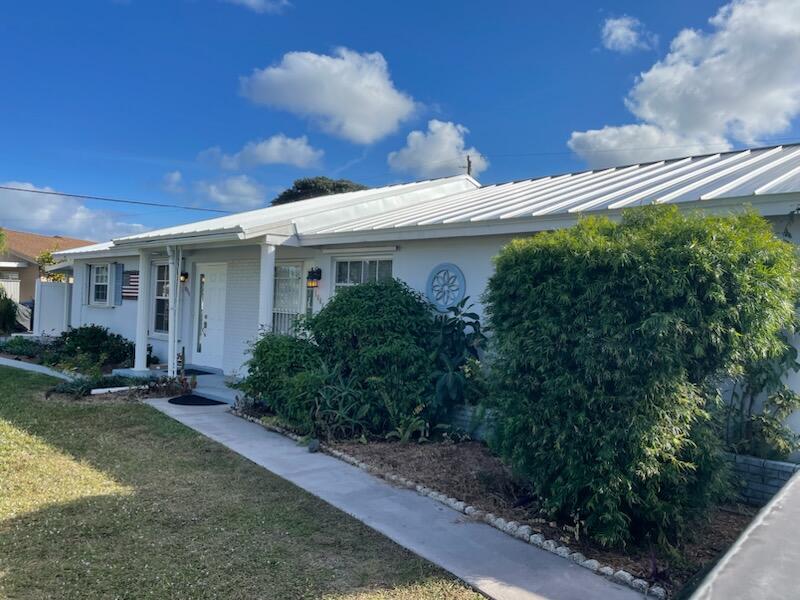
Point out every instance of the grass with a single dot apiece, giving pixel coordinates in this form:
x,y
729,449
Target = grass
x,y
116,500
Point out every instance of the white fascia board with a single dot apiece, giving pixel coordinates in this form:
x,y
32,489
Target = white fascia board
x,y
286,229
59,267
12,264
109,253
772,205
231,233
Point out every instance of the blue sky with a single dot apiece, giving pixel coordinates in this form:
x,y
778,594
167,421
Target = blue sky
x,y
158,101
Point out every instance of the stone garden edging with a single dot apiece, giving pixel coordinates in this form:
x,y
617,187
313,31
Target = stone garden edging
x,y
522,532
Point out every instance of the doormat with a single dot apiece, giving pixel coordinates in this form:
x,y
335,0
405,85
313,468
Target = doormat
x,y
193,400
197,372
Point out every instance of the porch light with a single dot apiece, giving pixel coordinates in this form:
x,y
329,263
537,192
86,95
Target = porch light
x,y
184,277
313,277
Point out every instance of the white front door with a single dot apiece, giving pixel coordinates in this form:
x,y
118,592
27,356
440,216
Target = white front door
x,y
210,288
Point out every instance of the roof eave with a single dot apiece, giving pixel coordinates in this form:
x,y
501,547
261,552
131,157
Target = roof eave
x,y
766,205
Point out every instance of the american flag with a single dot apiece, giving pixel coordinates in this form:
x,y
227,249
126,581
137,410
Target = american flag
x,y
130,285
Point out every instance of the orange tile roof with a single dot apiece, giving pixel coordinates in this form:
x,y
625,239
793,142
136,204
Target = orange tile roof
x,y
30,245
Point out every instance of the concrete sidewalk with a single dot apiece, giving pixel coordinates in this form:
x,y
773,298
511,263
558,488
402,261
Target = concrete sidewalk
x,y
498,565
25,366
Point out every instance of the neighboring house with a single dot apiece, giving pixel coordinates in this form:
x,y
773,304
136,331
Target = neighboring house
x,y
18,268
208,287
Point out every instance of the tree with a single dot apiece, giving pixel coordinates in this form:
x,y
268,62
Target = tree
x,y
312,187
45,259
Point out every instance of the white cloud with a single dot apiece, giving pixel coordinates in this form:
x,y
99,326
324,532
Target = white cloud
x,y
740,81
262,6
628,144
626,34
275,150
173,182
59,215
438,152
350,95
238,192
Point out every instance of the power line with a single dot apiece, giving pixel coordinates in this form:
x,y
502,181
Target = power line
x,y
117,200
460,160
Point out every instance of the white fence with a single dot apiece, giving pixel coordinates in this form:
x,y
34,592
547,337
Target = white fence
x,y
51,310
11,286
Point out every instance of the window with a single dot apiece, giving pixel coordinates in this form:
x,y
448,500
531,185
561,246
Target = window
x,y
98,285
288,297
362,270
9,275
161,309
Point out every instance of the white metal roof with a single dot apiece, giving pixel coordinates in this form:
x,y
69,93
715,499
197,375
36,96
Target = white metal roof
x,y
296,218
460,204
742,173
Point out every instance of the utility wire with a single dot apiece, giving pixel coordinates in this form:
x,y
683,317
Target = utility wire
x,y
118,200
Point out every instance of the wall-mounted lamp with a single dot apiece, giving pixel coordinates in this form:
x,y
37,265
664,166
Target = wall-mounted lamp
x,y
184,277
312,277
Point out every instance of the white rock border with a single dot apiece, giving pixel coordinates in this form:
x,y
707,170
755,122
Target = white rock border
x,y
520,531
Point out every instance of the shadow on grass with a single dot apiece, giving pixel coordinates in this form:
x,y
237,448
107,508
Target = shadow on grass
x,y
196,521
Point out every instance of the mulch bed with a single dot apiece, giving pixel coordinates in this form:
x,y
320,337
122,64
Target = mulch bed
x,y
467,471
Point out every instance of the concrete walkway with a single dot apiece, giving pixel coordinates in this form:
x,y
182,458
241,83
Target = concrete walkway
x,y
25,366
498,565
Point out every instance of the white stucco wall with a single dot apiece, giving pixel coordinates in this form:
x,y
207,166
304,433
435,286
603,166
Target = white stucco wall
x,y
119,319
413,261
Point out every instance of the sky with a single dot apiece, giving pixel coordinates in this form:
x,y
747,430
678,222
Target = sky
x,y
221,104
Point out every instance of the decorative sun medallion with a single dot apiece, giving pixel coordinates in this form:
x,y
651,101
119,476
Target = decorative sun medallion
x,y
446,286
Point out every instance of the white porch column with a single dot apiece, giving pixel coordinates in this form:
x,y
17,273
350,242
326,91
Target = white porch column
x,y
142,312
172,329
266,287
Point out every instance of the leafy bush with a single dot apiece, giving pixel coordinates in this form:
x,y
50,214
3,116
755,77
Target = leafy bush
x,y
22,346
458,341
608,335
274,360
380,334
88,346
763,432
367,367
8,313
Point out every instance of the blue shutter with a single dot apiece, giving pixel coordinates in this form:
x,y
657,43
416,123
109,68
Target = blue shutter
x,y
118,274
87,288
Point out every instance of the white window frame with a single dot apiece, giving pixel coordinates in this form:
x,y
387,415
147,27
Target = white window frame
x,y
364,259
93,284
156,333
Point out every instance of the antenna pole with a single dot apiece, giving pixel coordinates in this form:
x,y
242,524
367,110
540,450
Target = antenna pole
x,y
469,165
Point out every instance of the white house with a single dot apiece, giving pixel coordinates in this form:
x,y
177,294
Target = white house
x,y
208,287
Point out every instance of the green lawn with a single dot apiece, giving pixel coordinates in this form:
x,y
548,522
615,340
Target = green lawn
x,y
116,500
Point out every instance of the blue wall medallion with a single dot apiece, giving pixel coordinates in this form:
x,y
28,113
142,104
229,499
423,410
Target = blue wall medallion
x,y
446,286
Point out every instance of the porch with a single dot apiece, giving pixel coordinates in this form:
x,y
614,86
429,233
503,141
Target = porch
x,y
207,304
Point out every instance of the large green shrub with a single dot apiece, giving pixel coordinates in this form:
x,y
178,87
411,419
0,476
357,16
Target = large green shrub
x,y
607,337
89,345
22,346
381,334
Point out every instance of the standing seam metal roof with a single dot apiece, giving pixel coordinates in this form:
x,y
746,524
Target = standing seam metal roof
x,y
741,173
461,200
